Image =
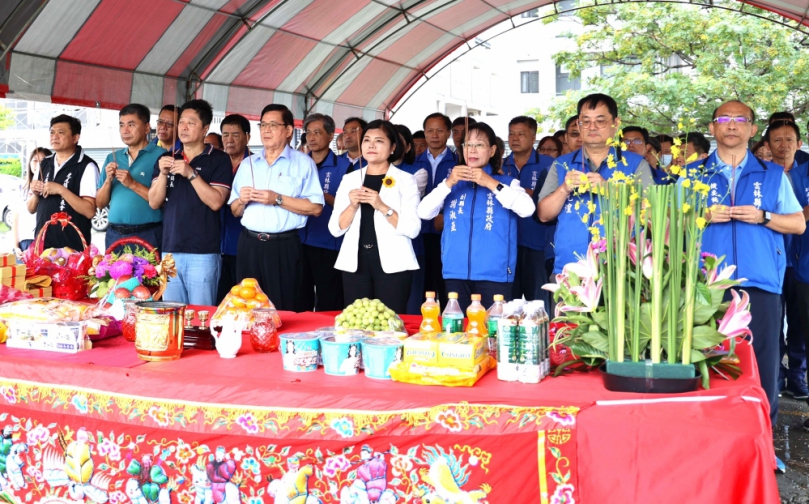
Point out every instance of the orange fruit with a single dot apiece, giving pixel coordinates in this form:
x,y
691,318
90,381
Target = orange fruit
x,y
247,293
235,290
253,303
249,282
238,303
261,297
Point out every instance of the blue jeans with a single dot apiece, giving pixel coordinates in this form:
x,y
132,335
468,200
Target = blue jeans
x,y
196,280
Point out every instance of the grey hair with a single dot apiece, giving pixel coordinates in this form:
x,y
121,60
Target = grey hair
x,y
328,122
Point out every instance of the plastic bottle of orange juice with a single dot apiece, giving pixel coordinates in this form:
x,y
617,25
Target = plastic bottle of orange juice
x,y
476,315
429,312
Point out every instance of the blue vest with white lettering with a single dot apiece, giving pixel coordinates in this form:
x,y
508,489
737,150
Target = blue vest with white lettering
x,y
573,236
316,233
798,249
442,171
757,251
530,233
479,241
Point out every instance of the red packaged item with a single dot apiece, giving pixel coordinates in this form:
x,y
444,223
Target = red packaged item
x,y
68,272
559,354
9,294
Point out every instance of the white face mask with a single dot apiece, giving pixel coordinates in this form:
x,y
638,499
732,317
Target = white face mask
x,y
665,160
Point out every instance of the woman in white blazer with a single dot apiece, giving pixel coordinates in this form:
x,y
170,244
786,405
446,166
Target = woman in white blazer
x,y
375,208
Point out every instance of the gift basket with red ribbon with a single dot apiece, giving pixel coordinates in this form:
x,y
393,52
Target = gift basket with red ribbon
x,y
68,273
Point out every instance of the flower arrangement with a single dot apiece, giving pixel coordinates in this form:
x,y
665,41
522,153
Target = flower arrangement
x,y
109,268
662,298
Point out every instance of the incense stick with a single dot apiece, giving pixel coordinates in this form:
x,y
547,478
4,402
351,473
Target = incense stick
x,y
733,180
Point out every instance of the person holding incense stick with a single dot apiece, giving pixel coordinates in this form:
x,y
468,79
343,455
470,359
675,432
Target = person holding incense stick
x,y
191,185
125,180
481,208
321,283
275,191
68,183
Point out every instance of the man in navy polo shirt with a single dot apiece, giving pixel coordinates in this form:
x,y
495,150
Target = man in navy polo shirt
x,y
438,161
321,284
125,180
191,187
530,168
751,207
235,137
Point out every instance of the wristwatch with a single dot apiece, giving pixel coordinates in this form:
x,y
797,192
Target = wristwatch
x,y
193,176
389,213
767,218
279,200
499,187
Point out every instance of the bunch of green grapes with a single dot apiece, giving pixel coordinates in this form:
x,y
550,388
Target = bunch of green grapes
x,y
368,314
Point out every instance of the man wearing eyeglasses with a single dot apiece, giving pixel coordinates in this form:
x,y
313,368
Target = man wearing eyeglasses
x,y
637,140
572,139
274,193
167,128
751,208
593,163
322,284
530,168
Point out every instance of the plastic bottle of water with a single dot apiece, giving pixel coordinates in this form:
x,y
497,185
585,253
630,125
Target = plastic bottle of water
x,y
493,315
452,318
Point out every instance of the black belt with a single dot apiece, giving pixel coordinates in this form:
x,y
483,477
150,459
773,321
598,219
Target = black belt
x,y
124,229
272,236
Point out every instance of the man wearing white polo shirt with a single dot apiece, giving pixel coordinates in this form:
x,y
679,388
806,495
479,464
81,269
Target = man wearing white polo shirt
x,y
274,192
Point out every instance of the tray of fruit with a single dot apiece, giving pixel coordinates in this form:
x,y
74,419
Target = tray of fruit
x,y
369,315
240,302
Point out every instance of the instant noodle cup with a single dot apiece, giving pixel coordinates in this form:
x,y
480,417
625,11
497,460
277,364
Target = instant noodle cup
x,y
341,355
300,352
378,354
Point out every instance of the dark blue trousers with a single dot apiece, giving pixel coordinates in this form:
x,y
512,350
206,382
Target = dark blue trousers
x,y
791,342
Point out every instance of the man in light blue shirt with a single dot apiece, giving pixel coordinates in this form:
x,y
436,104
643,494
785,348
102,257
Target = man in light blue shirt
x,y
274,192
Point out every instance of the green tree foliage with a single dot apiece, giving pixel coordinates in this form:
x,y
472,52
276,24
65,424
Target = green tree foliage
x,y
669,65
6,117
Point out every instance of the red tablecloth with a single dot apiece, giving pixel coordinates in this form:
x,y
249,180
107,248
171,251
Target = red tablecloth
x,y
707,446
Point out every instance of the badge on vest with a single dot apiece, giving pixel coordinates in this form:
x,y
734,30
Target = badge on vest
x,y
757,195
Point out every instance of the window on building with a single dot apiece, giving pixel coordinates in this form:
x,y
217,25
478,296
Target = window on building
x,y
533,13
563,81
529,82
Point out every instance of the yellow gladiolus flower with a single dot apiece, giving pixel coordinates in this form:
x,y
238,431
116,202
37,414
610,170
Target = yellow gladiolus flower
x,y
623,146
686,207
591,207
701,222
577,206
691,158
678,142
628,210
585,218
686,183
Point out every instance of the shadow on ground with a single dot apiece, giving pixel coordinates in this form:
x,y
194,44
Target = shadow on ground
x,y
792,445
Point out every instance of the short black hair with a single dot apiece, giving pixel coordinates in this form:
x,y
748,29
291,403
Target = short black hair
x,y
142,111
437,115
701,144
286,114
752,112
237,119
496,160
664,138
528,121
570,121
781,116
72,122
218,137
170,108
328,122
637,129
461,121
594,100
560,133
410,156
780,123
202,108
391,132
418,134
362,122
655,144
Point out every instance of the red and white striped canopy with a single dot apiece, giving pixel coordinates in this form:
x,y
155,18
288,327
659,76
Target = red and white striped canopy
x,y
341,57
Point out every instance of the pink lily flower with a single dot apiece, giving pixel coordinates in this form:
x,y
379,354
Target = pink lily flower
x,y
647,266
725,274
561,280
737,319
586,267
589,294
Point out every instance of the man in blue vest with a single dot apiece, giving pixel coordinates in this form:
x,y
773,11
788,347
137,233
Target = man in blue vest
x,y
751,207
321,284
530,168
783,138
352,137
438,160
597,161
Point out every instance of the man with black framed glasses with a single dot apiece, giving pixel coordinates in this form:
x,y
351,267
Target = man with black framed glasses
x,y
751,208
594,162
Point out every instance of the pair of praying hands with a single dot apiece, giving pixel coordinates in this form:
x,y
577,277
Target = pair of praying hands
x,y
575,179
365,195
250,195
114,173
46,189
470,174
170,166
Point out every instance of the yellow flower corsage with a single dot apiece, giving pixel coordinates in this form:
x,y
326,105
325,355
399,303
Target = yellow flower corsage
x,y
388,182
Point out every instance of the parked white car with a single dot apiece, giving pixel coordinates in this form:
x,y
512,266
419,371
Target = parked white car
x,y
9,194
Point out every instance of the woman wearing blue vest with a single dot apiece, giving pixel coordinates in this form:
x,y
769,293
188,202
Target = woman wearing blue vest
x,y
481,209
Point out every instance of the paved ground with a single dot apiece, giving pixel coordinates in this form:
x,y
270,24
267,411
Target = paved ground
x,y
792,445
